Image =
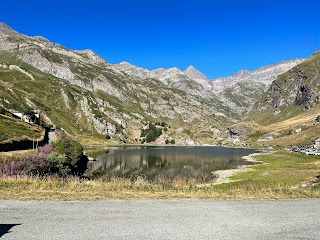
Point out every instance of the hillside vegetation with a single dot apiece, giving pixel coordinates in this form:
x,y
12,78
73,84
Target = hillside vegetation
x,y
15,130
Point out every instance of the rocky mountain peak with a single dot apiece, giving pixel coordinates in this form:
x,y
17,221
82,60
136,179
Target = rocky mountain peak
x,y
4,26
191,68
125,63
5,30
91,55
194,73
242,73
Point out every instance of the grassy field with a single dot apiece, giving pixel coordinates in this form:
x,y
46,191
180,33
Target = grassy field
x,y
283,176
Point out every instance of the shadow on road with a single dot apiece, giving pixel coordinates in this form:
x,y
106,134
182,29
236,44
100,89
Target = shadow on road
x,y
5,228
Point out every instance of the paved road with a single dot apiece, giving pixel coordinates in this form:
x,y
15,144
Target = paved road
x,y
51,135
186,219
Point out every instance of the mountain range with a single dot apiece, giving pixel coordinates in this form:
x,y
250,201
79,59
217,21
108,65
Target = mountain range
x,y
93,99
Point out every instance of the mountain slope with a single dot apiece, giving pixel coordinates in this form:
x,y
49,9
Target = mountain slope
x,y
242,90
91,99
288,114
292,93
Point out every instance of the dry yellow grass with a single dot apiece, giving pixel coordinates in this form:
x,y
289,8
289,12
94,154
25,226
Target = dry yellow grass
x,y
304,118
310,130
69,193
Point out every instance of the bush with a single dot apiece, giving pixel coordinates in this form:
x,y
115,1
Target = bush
x,y
167,141
72,150
59,163
97,114
172,141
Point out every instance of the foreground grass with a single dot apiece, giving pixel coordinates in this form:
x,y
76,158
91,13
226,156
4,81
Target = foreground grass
x,y
285,176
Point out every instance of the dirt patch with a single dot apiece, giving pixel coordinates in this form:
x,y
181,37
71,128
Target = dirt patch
x,y
223,176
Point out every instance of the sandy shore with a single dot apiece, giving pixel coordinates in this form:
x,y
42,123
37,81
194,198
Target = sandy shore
x,y
223,175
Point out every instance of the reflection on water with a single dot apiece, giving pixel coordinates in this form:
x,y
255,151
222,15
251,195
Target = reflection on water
x,y
177,161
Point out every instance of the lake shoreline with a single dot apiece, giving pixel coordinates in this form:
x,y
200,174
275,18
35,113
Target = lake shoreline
x,y
223,176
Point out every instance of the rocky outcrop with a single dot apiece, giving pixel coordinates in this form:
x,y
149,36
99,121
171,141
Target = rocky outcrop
x,y
307,97
299,87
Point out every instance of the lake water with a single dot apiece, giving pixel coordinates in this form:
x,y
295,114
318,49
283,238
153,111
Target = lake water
x,y
169,161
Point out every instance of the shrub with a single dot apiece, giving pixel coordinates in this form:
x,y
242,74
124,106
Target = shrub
x,y
151,133
59,163
172,141
35,164
97,114
72,149
167,141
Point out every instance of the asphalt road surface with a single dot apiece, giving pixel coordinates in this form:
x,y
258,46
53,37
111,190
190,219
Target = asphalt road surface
x,y
163,219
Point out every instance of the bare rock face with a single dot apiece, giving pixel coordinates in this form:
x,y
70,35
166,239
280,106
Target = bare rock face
x,y
199,77
243,89
35,59
6,31
102,83
265,75
172,77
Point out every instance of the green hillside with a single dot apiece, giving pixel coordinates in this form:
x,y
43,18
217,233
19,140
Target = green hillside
x,y
294,92
12,129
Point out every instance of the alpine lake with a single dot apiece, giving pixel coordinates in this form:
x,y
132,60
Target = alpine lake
x,y
166,161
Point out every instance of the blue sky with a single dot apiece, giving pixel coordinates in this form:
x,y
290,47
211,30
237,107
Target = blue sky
x,y
217,37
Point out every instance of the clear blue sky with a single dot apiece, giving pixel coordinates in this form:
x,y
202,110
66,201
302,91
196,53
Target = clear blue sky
x,y
219,37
